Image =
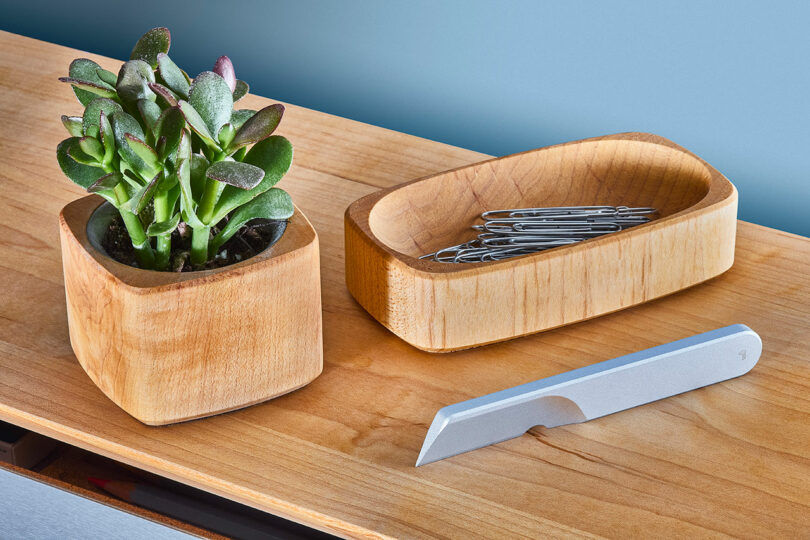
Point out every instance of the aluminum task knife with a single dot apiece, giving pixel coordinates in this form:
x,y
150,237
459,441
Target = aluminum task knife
x,y
592,391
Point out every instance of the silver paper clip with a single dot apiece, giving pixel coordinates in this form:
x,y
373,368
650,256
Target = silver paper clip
x,y
511,233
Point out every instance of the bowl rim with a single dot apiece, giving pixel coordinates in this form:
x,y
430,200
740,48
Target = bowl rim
x,y
720,191
74,217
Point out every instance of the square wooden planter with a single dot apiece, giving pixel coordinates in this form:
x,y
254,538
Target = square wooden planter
x,y
168,347
444,307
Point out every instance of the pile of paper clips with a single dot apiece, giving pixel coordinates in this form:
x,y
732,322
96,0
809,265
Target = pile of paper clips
x,y
511,233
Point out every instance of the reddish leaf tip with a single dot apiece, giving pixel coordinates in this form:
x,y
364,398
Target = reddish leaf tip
x,y
224,68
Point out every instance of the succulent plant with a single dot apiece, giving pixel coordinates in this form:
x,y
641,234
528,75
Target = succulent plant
x,y
165,149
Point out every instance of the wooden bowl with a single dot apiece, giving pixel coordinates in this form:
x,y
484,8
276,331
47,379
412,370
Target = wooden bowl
x,y
444,307
168,347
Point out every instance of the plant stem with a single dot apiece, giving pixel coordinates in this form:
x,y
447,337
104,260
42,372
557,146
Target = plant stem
x,y
205,212
199,246
164,241
140,242
213,189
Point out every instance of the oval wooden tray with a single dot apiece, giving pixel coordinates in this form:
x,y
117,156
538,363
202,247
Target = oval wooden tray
x,y
444,307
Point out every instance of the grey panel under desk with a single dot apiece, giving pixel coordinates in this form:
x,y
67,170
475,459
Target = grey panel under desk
x,y
32,509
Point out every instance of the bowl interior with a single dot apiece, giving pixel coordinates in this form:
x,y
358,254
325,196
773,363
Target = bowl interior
x,y
437,212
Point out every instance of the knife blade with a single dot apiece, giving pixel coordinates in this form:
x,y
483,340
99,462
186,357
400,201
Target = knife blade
x,y
592,391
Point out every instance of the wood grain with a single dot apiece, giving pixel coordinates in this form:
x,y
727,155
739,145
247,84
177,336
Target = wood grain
x,y
168,347
732,459
444,307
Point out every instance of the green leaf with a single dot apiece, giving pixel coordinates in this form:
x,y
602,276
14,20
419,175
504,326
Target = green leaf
x,y
174,193
108,181
160,147
152,43
73,124
168,183
199,164
259,126
190,219
84,96
183,149
241,89
150,112
122,123
187,203
107,137
164,93
133,182
239,155
145,152
274,156
226,135
172,75
234,173
170,125
109,194
80,156
90,89
133,81
142,197
196,122
107,76
83,175
164,227
86,70
92,114
238,118
211,98
273,204
92,148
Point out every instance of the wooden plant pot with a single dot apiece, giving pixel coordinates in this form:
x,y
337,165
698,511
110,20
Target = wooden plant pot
x,y
444,307
168,347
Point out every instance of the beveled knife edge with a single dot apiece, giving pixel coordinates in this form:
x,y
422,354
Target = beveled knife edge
x,y
592,391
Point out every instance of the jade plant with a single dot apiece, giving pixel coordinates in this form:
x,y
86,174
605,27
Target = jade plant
x,y
172,154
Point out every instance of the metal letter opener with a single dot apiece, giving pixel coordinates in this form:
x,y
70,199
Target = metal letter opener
x,y
592,391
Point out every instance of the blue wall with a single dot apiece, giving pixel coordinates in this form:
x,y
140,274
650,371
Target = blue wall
x,y
728,80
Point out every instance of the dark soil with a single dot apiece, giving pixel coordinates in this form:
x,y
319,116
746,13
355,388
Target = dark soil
x,y
251,240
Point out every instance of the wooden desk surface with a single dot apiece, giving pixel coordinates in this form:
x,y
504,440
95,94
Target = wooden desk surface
x,y
338,455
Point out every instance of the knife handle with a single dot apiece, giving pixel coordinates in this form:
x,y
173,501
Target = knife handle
x,y
660,372
611,386
592,391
